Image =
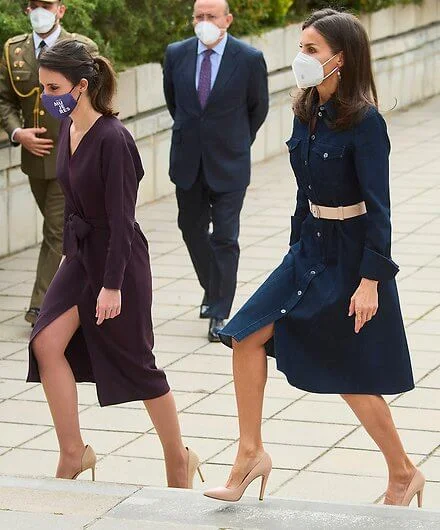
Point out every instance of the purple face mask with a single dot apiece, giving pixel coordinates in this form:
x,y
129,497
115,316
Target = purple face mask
x,y
60,107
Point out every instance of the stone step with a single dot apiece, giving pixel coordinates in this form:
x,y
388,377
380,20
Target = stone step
x,y
46,504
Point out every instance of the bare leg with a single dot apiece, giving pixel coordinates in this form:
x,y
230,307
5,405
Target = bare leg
x,y
60,389
250,376
163,414
375,415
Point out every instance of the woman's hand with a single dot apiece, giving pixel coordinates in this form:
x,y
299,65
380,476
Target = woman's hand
x,y
364,303
108,305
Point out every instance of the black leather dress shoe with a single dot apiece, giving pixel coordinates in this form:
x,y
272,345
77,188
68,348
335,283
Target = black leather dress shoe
x,y
204,308
215,325
32,315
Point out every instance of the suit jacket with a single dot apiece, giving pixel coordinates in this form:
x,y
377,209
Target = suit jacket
x,y
17,111
221,134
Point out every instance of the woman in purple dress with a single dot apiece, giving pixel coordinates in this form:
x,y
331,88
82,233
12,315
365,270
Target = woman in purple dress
x,y
95,324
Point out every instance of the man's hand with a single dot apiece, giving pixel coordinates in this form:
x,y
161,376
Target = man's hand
x,y
29,140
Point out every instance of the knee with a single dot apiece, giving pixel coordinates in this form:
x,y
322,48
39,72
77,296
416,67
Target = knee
x,y
225,242
189,228
41,345
38,346
247,345
237,347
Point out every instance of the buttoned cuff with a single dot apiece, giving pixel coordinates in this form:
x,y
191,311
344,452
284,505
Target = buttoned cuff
x,y
375,266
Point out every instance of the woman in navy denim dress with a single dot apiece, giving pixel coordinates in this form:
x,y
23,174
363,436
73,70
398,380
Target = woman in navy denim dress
x,y
330,313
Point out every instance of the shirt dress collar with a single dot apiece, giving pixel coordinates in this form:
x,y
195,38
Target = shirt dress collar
x,y
328,109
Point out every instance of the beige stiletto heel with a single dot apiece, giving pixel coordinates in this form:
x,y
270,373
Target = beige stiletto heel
x,y
261,469
415,487
88,461
264,479
193,466
420,498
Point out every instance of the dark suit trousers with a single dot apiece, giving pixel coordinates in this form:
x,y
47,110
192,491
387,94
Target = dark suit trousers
x,y
214,255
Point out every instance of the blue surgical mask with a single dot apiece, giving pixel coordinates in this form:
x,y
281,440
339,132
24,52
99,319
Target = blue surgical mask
x,y
60,107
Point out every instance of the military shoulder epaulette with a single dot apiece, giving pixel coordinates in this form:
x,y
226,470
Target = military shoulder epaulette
x,y
17,38
78,36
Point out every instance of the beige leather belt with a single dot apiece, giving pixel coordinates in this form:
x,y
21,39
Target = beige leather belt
x,y
339,213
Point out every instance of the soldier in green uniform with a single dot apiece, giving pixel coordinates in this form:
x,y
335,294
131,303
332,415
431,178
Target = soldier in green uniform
x,y
28,125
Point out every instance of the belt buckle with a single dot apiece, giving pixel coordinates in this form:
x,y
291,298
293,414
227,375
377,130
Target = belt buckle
x,y
315,211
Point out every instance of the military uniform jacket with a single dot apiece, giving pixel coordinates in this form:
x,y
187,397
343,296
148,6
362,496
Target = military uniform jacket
x,y
20,98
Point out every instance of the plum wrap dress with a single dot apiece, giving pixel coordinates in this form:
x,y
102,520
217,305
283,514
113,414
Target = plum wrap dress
x,y
308,296
104,247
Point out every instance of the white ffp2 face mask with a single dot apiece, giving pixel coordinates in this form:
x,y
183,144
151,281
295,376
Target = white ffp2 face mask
x,y
308,71
42,20
207,32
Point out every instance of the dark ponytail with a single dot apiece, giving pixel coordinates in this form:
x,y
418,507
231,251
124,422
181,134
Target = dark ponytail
x,y
101,96
72,59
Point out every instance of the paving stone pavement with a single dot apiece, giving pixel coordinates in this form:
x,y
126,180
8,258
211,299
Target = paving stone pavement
x,y
319,450
75,505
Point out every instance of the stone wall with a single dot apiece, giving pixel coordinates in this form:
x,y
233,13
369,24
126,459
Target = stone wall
x,y
406,52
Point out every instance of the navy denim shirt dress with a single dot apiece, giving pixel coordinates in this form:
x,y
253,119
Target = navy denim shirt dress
x,y
308,295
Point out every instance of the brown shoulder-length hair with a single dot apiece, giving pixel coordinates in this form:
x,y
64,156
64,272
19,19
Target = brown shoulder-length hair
x,y
72,59
356,88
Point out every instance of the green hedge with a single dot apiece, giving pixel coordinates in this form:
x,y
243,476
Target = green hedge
x,y
359,6
137,31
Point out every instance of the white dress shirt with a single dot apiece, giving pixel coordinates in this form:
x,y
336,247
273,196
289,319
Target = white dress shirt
x,y
49,40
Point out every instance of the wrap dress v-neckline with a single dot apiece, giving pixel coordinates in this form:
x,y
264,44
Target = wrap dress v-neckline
x,y
89,130
104,247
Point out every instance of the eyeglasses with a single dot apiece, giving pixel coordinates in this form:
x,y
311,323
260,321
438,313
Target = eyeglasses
x,y
209,18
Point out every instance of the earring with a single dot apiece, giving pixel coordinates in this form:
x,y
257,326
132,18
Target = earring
x,y
339,75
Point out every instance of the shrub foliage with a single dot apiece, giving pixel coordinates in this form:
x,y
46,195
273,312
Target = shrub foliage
x,y
137,31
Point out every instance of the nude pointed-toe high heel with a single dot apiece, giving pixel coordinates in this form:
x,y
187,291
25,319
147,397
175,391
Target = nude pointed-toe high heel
x,y
261,469
193,466
415,487
88,461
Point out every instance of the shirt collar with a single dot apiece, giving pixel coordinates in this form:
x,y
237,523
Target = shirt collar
x,y
49,40
329,109
219,49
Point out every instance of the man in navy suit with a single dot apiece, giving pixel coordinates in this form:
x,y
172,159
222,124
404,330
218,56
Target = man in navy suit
x,y
216,91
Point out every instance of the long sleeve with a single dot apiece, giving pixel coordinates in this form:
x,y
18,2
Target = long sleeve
x,y
168,87
301,211
121,167
371,155
10,117
258,96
